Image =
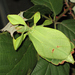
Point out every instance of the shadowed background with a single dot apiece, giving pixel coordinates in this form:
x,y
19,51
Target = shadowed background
x,y
12,7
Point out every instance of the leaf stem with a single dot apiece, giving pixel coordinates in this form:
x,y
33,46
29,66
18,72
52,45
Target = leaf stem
x,y
46,17
54,25
54,22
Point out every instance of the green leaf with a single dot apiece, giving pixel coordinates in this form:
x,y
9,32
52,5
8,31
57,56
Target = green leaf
x,y
27,62
51,44
54,5
16,19
45,68
41,8
68,28
17,42
16,62
47,22
36,17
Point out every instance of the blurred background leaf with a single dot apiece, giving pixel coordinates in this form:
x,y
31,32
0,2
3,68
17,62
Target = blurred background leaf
x,y
41,8
54,5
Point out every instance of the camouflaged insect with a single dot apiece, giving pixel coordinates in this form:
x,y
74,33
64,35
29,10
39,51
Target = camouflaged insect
x,y
50,44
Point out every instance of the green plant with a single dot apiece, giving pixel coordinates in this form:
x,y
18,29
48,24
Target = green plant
x,y
40,49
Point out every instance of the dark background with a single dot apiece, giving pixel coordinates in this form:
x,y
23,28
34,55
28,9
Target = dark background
x,y
12,7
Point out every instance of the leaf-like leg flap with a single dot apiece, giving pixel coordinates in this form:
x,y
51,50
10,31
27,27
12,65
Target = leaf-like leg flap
x,y
24,36
17,42
70,59
36,17
16,19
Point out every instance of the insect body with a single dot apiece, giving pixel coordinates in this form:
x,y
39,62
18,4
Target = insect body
x,y
51,44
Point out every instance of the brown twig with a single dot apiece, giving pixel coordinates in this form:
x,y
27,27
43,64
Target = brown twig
x,y
64,12
70,9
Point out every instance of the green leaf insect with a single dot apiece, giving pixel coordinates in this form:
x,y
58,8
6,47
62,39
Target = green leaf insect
x,y
16,19
51,44
17,42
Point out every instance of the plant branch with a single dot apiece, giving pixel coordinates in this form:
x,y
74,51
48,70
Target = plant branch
x,y
70,9
64,12
54,22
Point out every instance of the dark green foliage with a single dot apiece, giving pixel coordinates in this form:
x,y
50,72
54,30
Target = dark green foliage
x,y
24,60
16,62
54,5
45,68
68,28
41,8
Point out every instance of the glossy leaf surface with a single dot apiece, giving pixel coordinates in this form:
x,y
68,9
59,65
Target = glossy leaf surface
x,y
51,44
16,62
54,5
16,19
